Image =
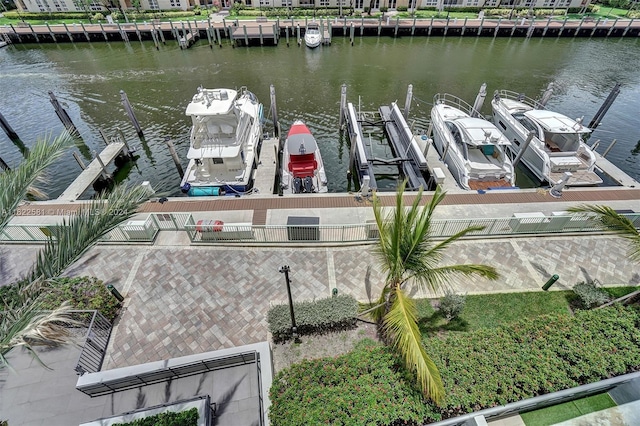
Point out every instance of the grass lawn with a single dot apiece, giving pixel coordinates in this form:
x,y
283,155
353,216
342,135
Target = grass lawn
x,y
493,310
568,410
616,292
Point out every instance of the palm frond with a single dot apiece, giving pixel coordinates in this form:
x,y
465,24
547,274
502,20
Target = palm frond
x,y
30,327
16,183
76,234
434,278
400,325
615,222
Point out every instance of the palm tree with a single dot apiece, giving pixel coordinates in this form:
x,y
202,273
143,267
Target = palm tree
x,y
613,221
409,255
21,316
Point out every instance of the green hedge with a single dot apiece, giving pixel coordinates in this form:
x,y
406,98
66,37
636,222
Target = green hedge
x,y
169,418
365,387
84,293
333,313
481,369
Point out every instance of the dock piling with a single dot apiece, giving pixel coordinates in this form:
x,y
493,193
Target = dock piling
x,y
79,161
352,33
130,113
4,166
68,32
524,147
127,150
62,115
606,151
547,94
53,36
86,34
480,97
260,31
274,111
7,128
595,122
407,102
104,173
105,139
343,105
298,34
175,157
104,33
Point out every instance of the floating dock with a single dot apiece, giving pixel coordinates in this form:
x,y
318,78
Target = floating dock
x,y
92,172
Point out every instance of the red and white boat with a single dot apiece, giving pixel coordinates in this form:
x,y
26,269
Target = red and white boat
x,y
302,167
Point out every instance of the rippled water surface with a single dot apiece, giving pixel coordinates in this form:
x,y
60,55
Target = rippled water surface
x,y
87,79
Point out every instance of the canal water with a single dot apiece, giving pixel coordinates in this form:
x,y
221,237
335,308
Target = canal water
x,y
87,79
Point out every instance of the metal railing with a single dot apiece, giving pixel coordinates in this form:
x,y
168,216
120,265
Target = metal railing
x,y
95,343
146,230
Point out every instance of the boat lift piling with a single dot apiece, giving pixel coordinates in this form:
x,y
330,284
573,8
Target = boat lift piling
x,y
343,106
79,161
174,155
606,151
63,116
274,111
524,147
477,104
7,128
130,113
595,122
546,95
407,102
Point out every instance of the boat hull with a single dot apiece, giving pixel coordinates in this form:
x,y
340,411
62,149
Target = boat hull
x,y
302,166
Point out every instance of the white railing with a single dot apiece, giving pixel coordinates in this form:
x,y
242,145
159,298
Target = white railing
x,y
145,230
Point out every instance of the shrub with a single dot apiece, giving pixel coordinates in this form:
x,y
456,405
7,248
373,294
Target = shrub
x,y
479,369
401,8
333,313
590,295
169,418
384,9
98,17
84,293
451,305
365,387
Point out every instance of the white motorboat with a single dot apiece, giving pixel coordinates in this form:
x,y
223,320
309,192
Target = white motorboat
x,y
302,167
225,139
473,148
557,145
312,35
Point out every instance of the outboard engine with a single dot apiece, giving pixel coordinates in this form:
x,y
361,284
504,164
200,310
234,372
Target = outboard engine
x,y
185,188
308,184
297,185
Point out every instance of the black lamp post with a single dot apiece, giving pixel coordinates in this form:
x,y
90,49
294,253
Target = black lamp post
x,y
294,329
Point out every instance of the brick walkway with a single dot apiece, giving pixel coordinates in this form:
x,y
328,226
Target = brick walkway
x,y
185,300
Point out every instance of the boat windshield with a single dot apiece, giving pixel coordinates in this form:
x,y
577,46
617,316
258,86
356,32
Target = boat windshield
x,y
562,142
457,137
214,130
528,124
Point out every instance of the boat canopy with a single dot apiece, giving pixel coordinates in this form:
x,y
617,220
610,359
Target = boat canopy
x,y
301,143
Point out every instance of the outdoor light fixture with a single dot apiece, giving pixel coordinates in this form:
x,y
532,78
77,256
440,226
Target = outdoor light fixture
x,y
294,329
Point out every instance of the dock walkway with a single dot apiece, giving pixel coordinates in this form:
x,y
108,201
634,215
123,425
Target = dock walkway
x,y
91,173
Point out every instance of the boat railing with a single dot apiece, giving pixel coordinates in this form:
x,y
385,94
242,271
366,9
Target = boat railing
x,y
520,97
455,102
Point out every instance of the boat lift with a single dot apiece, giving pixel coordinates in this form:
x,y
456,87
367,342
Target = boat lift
x,y
408,156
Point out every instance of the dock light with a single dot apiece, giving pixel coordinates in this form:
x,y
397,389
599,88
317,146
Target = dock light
x,y
294,329
115,292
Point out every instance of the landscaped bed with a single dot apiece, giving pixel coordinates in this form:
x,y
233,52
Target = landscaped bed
x,y
480,369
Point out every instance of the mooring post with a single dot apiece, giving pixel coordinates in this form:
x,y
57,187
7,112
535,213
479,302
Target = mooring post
x,y
274,110
407,101
104,137
174,155
464,26
605,106
495,33
606,151
547,94
480,97
104,173
161,34
260,31
62,115
79,161
218,37
413,26
624,33
579,27
481,24
208,31
563,25
523,148
53,36
612,27
395,31
352,33
379,25
84,30
68,32
246,37
343,104
154,37
298,35
137,31
546,27
130,113
231,40
127,150
34,33
7,128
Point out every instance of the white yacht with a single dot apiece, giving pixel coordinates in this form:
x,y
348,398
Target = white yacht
x,y
312,36
557,145
473,149
225,139
302,167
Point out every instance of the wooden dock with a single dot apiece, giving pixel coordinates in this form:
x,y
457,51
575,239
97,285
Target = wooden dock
x,y
91,173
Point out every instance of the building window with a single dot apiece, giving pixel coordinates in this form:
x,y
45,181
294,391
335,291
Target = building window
x,y
324,3
153,5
